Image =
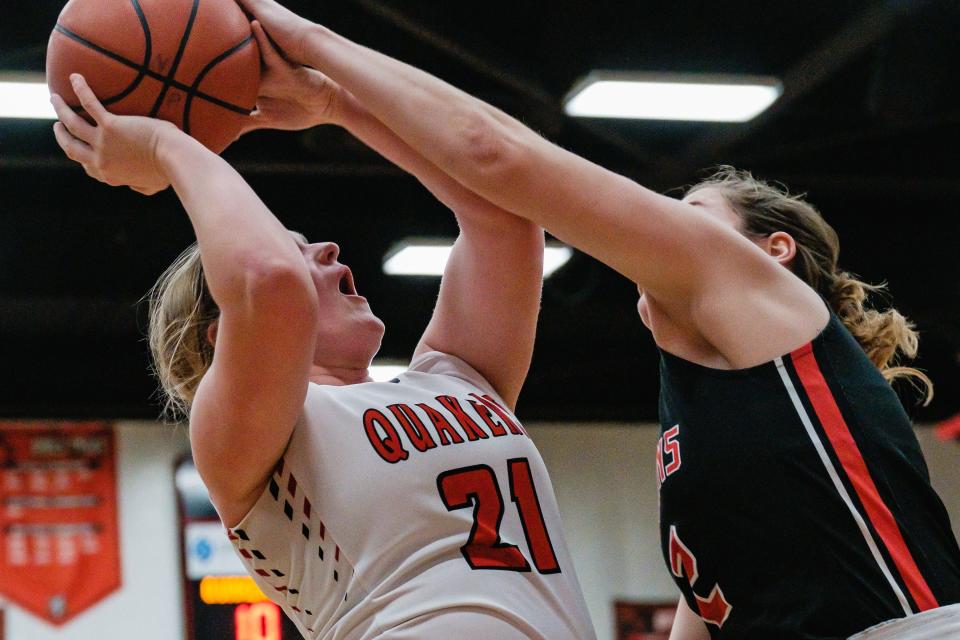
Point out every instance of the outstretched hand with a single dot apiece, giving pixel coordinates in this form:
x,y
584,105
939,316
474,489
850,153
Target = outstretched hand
x,y
116,150
292,97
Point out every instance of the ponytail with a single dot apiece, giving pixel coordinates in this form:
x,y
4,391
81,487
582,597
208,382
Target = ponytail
x,y
884,335
181,309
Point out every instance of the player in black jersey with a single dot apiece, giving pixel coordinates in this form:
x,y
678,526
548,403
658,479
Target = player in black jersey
x,y
795,500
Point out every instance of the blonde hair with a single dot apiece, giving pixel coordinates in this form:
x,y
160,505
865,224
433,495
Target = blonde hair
x,y
181,310
765,209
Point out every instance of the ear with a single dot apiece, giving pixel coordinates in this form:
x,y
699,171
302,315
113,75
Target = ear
x,y
781,246
212,332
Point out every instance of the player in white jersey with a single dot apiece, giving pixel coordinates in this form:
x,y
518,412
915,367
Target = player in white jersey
x,y
413,509
417,508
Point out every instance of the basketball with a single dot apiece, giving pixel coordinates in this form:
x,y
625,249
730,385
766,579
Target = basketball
x,y
194,63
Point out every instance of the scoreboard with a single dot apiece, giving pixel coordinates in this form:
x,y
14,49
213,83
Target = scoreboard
x,y
221,601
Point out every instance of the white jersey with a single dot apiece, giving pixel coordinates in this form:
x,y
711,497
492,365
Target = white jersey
x,y
417,508
933,624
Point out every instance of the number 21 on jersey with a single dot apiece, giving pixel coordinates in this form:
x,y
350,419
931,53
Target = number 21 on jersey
x,y
477,486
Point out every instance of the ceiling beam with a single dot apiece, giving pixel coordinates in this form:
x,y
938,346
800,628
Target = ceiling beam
x,y
813,69
547,105
875,185
838,140
66,315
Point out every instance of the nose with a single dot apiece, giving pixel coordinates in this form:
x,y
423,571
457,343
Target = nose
x,y
327,252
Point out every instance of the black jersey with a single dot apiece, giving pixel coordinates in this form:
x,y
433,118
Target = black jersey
x,y
794,498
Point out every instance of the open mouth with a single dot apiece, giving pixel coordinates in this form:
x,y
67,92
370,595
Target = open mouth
x,y
346,285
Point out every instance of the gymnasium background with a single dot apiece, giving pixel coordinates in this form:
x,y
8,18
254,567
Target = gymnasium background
x,y
866,124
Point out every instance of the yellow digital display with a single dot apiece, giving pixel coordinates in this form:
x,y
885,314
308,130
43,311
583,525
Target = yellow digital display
x,y
230,590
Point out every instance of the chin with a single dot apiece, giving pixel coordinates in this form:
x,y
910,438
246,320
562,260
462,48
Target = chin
x,y
373,332
368,328
378,326
644,310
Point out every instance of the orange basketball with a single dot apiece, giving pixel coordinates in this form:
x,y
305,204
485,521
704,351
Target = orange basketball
x,y
194,63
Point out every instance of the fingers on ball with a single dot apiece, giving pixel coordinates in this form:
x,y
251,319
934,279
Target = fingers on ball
x,y
75,149
267,51
76,125
88,99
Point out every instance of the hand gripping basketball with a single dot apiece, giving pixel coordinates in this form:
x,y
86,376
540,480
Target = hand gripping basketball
x,y
292,97
287,29
116,150
191,62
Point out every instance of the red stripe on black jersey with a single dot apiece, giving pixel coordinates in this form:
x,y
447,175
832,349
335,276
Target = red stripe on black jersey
x,y
778,514
851,459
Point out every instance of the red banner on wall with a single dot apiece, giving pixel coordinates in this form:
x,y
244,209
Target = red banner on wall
x,y
949,429
59,551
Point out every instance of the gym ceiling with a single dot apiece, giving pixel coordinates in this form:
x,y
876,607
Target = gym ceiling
x,y
866,126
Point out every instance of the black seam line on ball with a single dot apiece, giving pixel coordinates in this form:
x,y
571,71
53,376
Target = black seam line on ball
x,y
148,50
150,73
146,59
176,59
141,69
207,69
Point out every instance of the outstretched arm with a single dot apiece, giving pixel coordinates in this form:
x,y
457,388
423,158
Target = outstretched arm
x,y
709,279
640,233
248,402
489,299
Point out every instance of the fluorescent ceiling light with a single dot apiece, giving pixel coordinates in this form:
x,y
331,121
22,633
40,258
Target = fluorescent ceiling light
x,y
554,257
25,95
417,257
645,96
410,258
386,372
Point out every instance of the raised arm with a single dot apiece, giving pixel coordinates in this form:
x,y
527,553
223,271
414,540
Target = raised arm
x,y
486,313
703,274
489,298
250,399
248,402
